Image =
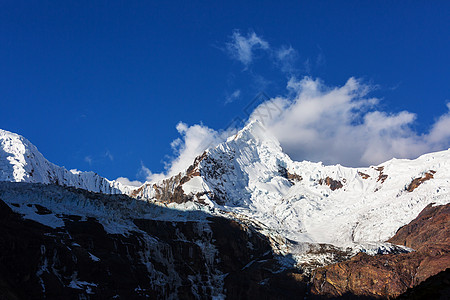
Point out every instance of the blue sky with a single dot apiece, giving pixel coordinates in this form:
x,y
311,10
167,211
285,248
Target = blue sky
x,y
104,85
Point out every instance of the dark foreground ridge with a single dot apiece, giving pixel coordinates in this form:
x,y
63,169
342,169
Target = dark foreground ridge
x,y
161,260
217,258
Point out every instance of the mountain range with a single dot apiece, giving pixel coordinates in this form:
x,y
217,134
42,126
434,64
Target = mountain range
x,y
243,221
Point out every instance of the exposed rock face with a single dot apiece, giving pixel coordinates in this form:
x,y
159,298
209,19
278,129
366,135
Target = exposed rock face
x,y
82,261
161,260
381,177
214,169
436,287
388,276
418,181
333,184
292,177
363,175
250,276
430,229
171,189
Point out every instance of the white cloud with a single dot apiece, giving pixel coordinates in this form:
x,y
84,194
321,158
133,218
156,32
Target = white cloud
x,y
342,125
75,171
322,123
440,132
242,48
194,141
126,181
145,172
231,98
285,59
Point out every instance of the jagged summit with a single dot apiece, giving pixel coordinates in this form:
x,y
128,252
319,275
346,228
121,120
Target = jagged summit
x,y
256,133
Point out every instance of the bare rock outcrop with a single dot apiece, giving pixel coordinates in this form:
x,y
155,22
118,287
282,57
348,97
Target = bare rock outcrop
x,y
332,183
390,275
418,181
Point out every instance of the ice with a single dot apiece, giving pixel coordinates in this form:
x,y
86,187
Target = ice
x,y
253,181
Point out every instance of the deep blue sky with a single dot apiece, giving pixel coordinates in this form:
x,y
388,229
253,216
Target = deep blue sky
x,y
110,80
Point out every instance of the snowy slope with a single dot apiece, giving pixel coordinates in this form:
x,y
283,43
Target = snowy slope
x,y
20,161
249,178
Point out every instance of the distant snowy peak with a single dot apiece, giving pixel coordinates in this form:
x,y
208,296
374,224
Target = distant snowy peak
x,y
20,161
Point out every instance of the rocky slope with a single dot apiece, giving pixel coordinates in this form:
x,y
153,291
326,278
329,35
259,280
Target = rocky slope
x,y
436,287
182,257
328,223
116,247
390,275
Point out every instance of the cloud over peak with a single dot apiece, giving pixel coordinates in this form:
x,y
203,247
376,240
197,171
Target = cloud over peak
x,y
316,122
343,125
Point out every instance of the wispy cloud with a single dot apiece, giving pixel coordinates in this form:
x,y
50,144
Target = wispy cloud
x,y
109,155
88,159
234,96
286,58
242,48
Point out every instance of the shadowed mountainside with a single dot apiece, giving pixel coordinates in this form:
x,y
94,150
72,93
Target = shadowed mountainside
x,y
160,259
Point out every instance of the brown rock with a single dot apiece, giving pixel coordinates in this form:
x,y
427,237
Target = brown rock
x,y
170,189
388,276
437,287
363,175
333,184
430,227
381,177
418,181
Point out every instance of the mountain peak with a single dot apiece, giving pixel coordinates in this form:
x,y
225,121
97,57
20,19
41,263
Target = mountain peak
x,y
256,132
16,157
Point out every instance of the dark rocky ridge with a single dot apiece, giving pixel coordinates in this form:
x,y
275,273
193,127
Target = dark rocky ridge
x,y
162,260
199,260
436,287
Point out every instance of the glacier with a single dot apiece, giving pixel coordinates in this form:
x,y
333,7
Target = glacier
x,y
250,179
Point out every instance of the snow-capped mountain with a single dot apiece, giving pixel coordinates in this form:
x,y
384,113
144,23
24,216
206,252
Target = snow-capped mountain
x,y
20,161
243,209
248,177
